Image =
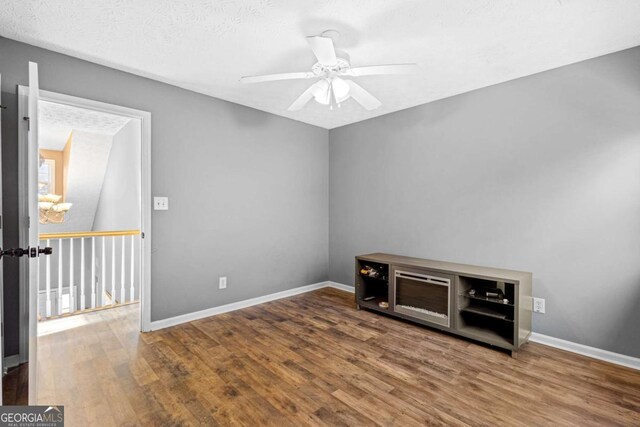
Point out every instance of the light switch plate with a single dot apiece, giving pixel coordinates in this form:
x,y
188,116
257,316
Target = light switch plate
x,y
160,203
223,282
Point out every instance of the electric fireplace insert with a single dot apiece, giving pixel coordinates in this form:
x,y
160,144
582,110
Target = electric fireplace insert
x,y
423,296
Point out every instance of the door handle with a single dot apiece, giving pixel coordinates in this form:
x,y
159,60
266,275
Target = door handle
x,y
45,251
20,252
14,252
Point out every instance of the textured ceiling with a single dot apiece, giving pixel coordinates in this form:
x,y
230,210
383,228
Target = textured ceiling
x,y
56,121
206,45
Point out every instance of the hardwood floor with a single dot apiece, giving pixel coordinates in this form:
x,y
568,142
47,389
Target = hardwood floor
x,y
314,360
15,386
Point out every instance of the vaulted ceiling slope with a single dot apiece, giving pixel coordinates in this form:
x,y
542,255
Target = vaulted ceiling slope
x,y
207,45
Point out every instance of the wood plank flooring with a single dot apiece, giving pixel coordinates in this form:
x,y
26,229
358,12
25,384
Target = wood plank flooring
x,y
313,359
15,386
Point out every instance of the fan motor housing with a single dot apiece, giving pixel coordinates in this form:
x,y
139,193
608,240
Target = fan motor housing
x,y
343,63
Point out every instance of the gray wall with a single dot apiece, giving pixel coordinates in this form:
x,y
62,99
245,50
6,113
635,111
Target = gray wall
x,y
539,174
248,190
119,204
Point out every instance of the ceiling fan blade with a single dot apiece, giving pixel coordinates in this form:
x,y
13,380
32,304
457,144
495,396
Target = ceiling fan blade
x,y
281,76
374,70
323,49
363,97
304,98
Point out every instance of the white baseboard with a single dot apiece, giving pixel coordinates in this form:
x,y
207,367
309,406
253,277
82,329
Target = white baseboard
x,y
189,317
585,350
340,286
11,361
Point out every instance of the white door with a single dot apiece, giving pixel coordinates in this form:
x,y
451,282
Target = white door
x,y
34,240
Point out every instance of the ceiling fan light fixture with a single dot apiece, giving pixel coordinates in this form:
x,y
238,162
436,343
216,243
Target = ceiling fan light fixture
x,y
321,92
340,89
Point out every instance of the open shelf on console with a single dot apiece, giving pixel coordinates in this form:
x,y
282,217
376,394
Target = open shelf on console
x,y
487,335
371,286
486,317
374,303
492,300
374,279
486,311
484,286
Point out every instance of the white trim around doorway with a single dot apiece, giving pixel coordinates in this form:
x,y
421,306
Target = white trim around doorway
x,y
145,120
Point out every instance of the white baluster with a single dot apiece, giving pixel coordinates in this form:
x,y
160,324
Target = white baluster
x,y
122,273
133,253
48,283
113,270
60,276
83,301
93,272
103,270
72,296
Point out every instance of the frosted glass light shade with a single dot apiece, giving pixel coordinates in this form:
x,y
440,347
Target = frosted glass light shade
x,y
340,89
321,93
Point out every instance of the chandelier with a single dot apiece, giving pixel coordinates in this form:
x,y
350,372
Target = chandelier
x,y
51,210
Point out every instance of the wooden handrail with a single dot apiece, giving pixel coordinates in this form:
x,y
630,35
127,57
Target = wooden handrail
x,y
78,234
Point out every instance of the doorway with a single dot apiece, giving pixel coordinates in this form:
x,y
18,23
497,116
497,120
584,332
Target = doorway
x,y
93,172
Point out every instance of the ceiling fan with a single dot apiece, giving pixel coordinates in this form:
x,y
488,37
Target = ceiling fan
x,y
334,71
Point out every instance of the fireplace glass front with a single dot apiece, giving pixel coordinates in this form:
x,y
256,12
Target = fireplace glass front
x,y
423,296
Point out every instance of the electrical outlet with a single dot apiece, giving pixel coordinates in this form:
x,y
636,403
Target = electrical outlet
x,y
161,203
538,305
223,283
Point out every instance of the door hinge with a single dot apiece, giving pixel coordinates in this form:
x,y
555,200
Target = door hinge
x,y
142,234
28,222
28,122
